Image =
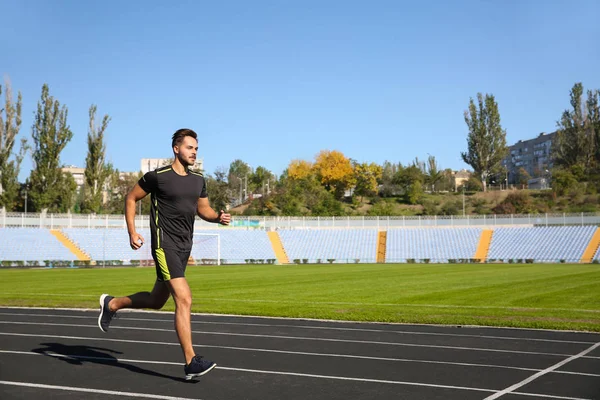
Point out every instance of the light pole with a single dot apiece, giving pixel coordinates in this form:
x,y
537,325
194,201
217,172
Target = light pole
x,y
463,196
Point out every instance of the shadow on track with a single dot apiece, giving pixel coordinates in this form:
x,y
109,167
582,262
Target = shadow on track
x,y
77,355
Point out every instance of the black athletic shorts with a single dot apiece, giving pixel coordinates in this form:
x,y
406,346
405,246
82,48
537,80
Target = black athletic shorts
x,y
170,263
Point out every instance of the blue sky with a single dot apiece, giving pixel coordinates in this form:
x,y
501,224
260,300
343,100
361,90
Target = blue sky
x,y
272,81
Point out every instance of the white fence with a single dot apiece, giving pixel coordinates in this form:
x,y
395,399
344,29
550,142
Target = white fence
x,y
58,221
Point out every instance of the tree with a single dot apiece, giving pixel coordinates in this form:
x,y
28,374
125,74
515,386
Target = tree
x,y
218,190
301,195
576,140
388,187
410,180
563,181
446,182
97,170
238,169
10,163
334,171
300,169
434,175
260,178
419,164
51,189
290,191
593,113
238,172
120,184
523,176
473,184
486,140
367,177
326,205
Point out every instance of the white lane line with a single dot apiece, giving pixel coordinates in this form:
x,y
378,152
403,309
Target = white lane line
x,y
317,328
259,371
261,350
297,338
547,396
286,373
576,373
541,373
334,303
302,353
457,306
344,378
87,390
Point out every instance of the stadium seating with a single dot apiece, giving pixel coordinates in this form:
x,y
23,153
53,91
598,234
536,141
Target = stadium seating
x,y
108,244
431,244
237,246
341,245
113,244
31,244
541,244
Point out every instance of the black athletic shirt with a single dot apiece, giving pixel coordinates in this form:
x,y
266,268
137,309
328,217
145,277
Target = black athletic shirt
x,y
174,205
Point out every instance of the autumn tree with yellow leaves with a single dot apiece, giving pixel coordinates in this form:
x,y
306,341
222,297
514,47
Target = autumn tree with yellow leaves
x,y
300,169
334,171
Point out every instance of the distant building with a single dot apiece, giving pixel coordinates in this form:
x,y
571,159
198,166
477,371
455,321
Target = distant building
x,y
150,164
146,165
77,173
461,177
532,155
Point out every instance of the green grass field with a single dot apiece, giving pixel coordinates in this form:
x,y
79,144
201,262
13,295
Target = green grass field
x,y
554,296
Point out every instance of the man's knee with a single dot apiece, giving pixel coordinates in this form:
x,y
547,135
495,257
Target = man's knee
x,y
183,301
182,295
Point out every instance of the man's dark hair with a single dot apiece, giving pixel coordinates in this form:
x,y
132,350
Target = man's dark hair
x,y
180,134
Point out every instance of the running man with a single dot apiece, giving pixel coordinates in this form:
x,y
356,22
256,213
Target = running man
x,y
178,194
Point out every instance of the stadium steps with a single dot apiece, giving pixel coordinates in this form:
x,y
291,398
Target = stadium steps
x,y
278,249
592,248
381,246
483,248
70,245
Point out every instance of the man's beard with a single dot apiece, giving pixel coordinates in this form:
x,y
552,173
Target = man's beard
x,y
184,162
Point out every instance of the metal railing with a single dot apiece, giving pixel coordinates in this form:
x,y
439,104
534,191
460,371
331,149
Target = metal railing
x,y
90,221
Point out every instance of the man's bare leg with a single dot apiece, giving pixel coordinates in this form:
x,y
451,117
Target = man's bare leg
x,y
182,295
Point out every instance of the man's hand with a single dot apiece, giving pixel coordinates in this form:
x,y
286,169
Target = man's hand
x,y
136,240
223,218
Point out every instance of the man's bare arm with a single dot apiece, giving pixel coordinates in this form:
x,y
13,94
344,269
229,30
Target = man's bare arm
x,y
206,212
136,194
